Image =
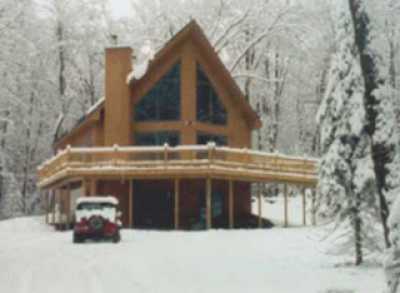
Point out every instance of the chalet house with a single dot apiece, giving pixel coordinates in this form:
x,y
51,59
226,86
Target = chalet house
x,y
174,146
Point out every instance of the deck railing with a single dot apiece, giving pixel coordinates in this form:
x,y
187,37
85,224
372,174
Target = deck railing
x,y
166,156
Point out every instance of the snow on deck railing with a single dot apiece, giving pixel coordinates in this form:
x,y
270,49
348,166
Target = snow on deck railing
x,y
186,153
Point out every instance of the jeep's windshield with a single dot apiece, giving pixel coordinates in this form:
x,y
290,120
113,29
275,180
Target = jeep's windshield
x,y
94,206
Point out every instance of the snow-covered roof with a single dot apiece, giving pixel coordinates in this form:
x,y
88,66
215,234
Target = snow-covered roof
x,y
140,67
95,105
98,199
138,72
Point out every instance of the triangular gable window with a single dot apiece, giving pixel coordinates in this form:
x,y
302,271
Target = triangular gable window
x,y
163,101
209,106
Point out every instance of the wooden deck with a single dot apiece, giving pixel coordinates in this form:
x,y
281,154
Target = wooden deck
x,y
176,162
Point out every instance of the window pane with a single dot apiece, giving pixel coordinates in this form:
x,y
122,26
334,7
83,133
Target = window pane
x,y
218,111
143,139
163,101
209,106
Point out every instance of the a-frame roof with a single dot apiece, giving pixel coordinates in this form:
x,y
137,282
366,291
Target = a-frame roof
x,y
192,31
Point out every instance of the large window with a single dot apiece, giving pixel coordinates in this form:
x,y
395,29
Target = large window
x,y
157,138
204,138
209,106
163,101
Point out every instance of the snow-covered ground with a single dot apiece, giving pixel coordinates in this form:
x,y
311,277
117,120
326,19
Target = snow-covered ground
x,y
33,258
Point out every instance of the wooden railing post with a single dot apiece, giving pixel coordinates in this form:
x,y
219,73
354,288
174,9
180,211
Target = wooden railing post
x,y
166,154
245,155
115,156
211,152
68,154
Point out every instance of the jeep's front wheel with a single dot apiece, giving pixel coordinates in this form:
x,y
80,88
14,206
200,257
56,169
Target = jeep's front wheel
x,y
116,237
77,239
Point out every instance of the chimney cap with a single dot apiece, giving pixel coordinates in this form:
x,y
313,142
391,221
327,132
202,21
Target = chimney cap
x,y
114,39
119,48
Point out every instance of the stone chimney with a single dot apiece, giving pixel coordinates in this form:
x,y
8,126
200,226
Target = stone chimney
x,y
117,96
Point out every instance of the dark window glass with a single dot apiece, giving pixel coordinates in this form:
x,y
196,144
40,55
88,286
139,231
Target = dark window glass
x,y
157,138
204,138
209,106
163,101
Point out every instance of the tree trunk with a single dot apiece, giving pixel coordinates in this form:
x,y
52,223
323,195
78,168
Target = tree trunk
x,y
61,76
61,59
357,231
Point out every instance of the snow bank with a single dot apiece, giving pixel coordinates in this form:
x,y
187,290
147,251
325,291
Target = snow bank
x,y
24,225
276,260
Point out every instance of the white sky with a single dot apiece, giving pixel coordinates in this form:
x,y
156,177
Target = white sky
x,y
120,8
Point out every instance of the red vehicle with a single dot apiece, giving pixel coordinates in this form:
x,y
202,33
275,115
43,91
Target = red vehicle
x,y
97,218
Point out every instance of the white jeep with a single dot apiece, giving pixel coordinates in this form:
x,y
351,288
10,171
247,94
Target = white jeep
x,y
97,217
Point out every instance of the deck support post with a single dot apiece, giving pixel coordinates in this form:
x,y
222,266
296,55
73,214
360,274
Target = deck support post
x,y
84,189
68,212
208,204
304,205
47,207
259,205
176,204
93,187
90,186
61,208
54,195
231,205
285,205
313,207
130,203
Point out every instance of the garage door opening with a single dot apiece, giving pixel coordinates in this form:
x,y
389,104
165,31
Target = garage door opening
x,y
153,204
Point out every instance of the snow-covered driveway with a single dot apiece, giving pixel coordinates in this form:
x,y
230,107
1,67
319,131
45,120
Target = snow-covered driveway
x,y
35,259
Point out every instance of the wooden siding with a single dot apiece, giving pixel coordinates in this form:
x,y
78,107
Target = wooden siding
x,y
116,126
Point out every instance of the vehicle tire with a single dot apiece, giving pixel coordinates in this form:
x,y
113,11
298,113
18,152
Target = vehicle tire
x,y
77,239
116,237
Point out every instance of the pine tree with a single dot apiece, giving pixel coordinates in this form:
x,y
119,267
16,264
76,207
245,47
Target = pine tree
x,y
345,193
381,122
392,261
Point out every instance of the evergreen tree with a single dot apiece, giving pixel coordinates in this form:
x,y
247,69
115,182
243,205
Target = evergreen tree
x,y
345,185
379,105
392,261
